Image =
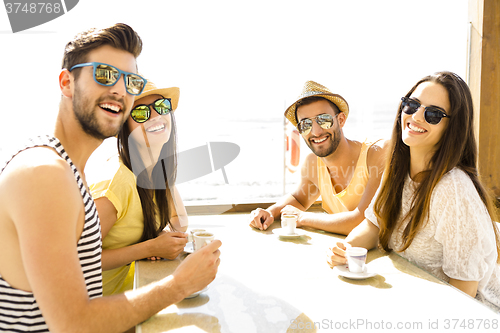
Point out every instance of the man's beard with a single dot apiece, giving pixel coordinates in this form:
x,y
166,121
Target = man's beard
x,y
84,110
329,150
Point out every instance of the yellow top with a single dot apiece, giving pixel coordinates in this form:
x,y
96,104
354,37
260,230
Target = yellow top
x,y
348,199
119,186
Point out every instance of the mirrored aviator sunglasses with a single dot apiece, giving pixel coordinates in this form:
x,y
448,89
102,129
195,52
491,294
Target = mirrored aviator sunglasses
x,y
432,115
325,121
142,112
107,75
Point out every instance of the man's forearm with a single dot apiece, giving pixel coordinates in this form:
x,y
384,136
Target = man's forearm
x,y
128,309
149,300
276,209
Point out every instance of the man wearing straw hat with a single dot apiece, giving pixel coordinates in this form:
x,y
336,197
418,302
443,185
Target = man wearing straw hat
x,y
346,173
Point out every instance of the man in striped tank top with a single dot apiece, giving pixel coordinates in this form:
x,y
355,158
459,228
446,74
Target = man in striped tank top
x,y
50,270
345,173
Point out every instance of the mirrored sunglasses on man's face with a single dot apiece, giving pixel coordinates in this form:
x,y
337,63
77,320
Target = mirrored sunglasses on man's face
x,y
325,121
107,75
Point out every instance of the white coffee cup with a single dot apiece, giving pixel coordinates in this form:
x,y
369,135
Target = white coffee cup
x,y
356,259
289,223
192,232
201,238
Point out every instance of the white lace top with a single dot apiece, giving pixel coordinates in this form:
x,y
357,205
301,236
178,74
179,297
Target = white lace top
x,y
457,241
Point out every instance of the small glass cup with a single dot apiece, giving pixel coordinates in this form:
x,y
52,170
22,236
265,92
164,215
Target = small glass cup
x,y
201,238
191,233
356,259
289,223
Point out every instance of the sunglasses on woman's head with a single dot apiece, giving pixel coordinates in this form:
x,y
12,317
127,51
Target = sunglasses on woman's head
x,y
107,75
432,114
142,112
324,120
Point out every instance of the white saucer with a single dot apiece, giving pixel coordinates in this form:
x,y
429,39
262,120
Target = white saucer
x,y
344,271
189,247
193,295
284,233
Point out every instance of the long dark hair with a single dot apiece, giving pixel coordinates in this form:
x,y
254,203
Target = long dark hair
x,y
456,149
154,200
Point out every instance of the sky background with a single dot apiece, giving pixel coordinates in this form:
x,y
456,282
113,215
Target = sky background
x,y
239,64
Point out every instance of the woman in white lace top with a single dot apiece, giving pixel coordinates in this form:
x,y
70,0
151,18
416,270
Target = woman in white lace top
x,y
431,207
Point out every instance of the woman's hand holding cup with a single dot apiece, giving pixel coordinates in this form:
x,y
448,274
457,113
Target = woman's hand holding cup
x,y
168,245
335,255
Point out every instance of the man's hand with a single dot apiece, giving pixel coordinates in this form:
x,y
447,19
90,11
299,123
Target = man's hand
x,y
261,219
198,269
292,210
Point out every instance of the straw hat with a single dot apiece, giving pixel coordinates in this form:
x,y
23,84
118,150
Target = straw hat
x,y
312,88
172,93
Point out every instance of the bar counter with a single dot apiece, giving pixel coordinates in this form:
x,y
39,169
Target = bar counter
x,y
270,284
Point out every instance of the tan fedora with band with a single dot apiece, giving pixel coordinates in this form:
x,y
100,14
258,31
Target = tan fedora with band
x,y
312,88
151,89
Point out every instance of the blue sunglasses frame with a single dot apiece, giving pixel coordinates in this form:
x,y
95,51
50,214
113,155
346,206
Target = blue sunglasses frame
x,y
120,72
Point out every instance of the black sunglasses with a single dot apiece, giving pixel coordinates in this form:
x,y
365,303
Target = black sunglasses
x,y
432,114
142,112
324,120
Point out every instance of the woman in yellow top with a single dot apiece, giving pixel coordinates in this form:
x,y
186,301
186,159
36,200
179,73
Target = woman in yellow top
x,y
141,212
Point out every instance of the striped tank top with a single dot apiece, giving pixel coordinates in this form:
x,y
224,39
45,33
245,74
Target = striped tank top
x,y
19,311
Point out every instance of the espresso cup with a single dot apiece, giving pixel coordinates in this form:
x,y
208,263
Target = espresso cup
x,y
192,232
356,259
289,223
201,238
